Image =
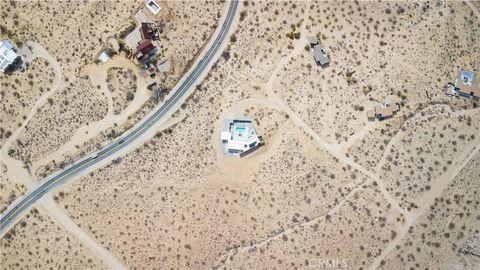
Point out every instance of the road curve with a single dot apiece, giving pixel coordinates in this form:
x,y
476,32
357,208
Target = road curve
x,y
51,182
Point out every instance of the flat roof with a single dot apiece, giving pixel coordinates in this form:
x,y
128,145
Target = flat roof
x,y
384,110
104,57
312,40
320,55
236,145
226,136
238,135
371,113
7,54
153,6
7,44
467,82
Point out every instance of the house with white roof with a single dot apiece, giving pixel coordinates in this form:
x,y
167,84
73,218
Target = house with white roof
x,y
7,55
239,137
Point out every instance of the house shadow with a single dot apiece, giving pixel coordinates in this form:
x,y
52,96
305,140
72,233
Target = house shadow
x,y
324,66
17,65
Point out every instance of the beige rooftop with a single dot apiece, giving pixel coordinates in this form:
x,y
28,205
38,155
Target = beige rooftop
x,y
468,83
386,110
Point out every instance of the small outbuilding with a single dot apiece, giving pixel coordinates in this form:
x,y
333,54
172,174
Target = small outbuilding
x,y
104,57
153,7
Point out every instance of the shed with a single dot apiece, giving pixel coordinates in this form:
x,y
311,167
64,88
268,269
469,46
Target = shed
x,y
104,57
371,115
153,6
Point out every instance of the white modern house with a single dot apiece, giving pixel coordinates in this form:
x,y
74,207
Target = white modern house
x,y
7,54
239,136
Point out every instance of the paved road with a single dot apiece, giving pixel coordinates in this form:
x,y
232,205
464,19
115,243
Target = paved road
x,y
84,164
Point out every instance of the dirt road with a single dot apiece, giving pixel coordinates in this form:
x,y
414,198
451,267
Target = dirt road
x,y
18,173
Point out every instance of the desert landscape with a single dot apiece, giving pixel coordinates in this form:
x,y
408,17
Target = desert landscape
x,y
328,190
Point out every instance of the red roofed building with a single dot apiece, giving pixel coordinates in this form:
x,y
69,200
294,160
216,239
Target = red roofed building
x,y
145,49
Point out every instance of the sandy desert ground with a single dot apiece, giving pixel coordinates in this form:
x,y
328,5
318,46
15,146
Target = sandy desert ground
x,y
48,246
9,190
83,120
327,188
440,237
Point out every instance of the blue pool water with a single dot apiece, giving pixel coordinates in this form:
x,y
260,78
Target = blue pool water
x,y
239,129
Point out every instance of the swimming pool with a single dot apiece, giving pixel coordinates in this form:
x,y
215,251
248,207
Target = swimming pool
x,y
239,129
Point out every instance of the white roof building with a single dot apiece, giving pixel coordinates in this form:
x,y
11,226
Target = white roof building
x,y
153,6
226,136
7,54
104,57
239,136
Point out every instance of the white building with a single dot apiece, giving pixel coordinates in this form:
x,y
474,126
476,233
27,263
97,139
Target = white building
x,y
239,136
104,57
153,6
7,54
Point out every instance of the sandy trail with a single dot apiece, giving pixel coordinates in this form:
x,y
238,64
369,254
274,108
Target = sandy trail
x,y
338,151
275,102
357,136
225,258
103,91
98,76
410,217
100,79
240,169
396,139
167,118
18,173
15,167
335,150
427,200
62,218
